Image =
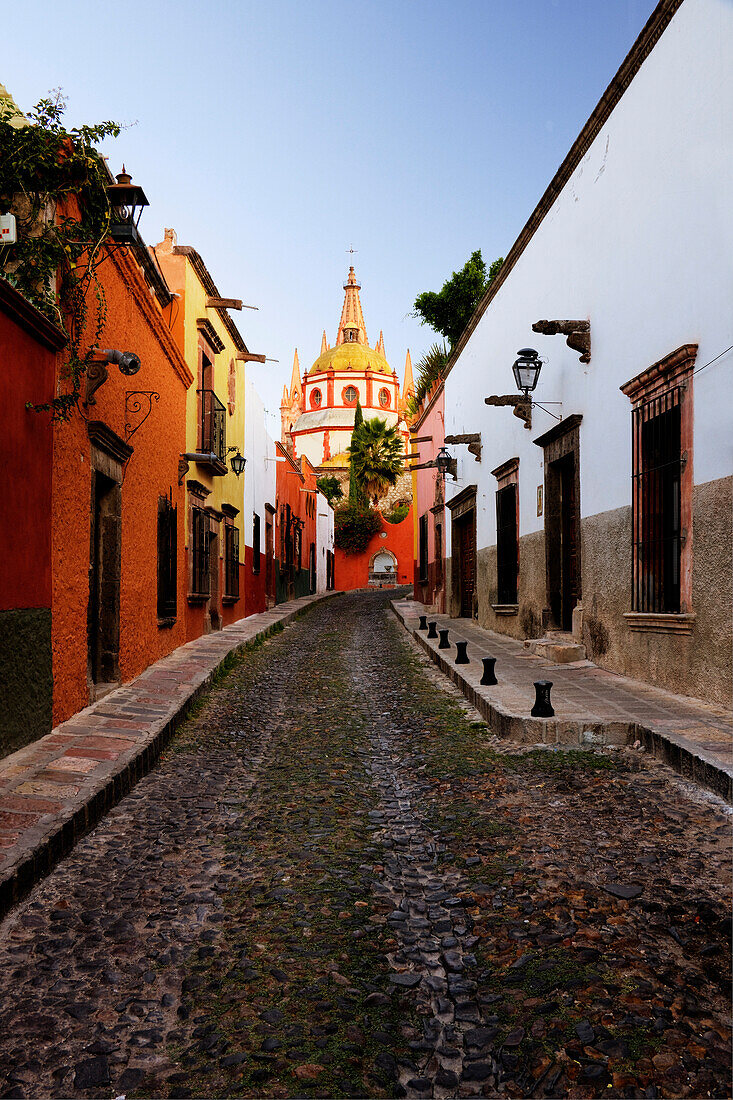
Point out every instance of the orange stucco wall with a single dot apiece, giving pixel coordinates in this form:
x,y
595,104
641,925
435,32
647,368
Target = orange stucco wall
x,y
352,570
135,322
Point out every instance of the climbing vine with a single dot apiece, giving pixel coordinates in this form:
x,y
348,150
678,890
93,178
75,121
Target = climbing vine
x,y
55,183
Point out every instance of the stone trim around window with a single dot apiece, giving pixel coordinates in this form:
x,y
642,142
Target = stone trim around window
x,y
674,370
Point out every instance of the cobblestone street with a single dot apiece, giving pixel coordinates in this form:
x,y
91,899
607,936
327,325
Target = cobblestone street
x,y
337,882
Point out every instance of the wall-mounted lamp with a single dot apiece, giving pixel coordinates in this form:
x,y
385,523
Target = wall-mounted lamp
x,y
97,374
127,201
526,368
445,463
237,461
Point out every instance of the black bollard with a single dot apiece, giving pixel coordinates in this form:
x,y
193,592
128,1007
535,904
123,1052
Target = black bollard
x,y
461,655
542,706
423,622
489,676
443,643
432,632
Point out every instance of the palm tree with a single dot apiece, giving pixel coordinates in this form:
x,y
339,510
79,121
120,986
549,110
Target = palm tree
x,y
376,456
430,368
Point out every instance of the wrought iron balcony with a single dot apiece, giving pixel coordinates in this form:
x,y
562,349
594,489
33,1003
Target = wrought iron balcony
x,y
212,432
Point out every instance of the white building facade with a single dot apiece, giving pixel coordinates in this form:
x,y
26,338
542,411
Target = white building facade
x,y
324,544
610,517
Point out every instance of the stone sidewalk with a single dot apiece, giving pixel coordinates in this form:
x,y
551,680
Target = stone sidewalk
x,y
56,789
591,706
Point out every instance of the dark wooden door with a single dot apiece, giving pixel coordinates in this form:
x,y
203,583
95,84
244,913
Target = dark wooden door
x,y
569,587
466,528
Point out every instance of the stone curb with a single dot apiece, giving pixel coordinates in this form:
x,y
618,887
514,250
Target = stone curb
x,y
40,847
690,760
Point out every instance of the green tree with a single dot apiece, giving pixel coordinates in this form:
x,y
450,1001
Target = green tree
x,y
449,309
376,457
330,487
355,494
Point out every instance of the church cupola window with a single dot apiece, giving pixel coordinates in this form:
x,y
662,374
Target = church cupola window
x,y
350,395
316,398
351,333
384,398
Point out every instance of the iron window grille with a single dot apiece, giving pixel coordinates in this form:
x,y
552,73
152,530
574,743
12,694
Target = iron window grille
x,y
423,549
167,559
255,543
312,568
200,577
656,480
231,561
507,549
213,425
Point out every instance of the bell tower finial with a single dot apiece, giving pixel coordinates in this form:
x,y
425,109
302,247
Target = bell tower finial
x,y
351,326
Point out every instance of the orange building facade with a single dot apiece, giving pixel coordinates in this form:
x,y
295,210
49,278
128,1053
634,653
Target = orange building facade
x,y
116,498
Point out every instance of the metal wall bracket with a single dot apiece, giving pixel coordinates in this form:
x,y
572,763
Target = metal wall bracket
x,y
134,405
96,375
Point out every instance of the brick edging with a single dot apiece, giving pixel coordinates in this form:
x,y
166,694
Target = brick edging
x,y
682,755
61,834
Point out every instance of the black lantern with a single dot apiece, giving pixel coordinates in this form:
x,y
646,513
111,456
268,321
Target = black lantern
x,y
127,201
443,461
237,462
527,367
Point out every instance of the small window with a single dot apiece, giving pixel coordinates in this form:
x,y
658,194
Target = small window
x,y
255,543
350,395
231,561
384,399
316,398
657,504
167,558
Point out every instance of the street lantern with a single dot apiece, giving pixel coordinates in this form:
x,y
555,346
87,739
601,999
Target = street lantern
x,y
443,461
127,201
526,367
237,461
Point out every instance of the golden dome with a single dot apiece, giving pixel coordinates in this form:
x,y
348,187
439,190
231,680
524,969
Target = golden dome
x,y
351,356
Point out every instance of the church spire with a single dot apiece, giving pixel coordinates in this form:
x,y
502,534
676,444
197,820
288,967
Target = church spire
x,y
351,325
380,345
295,383
408,386
324,343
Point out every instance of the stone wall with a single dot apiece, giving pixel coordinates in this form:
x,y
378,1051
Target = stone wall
x,y
26,684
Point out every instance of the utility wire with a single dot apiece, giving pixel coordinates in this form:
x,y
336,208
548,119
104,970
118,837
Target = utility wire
x,y
713,360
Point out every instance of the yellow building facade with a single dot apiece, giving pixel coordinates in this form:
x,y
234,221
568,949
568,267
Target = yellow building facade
x,y
215,409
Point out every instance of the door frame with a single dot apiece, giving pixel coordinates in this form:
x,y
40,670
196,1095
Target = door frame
x,y
558,444
460,506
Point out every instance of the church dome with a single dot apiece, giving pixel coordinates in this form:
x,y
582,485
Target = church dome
x,y
351,356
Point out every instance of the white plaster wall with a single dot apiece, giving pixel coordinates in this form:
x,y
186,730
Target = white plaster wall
x,y
640,241
324,539
259,473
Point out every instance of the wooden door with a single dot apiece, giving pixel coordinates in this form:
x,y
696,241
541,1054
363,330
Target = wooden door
x,y
466,529
569,588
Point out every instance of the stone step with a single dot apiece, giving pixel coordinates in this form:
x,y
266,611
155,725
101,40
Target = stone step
x,y
561,649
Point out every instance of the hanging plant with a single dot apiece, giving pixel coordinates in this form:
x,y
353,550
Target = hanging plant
x,y
55,183
354,526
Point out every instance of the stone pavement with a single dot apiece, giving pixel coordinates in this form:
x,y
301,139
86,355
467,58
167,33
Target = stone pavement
x,y
55,789
591,706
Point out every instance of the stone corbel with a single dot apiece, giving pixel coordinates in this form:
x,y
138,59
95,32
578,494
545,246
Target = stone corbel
x,y
473,439
577,334
522,406
183,467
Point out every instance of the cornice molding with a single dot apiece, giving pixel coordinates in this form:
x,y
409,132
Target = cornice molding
x,y
14,305
109,442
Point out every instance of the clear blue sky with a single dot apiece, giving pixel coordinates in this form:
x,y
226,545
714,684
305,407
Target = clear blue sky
x,y
274,134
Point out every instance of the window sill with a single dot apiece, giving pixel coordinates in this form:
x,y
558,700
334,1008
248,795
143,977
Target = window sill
x,y
656,623
505,608
229,599
165,624
197,597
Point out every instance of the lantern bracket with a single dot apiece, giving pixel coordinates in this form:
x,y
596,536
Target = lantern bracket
x,y
577,334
